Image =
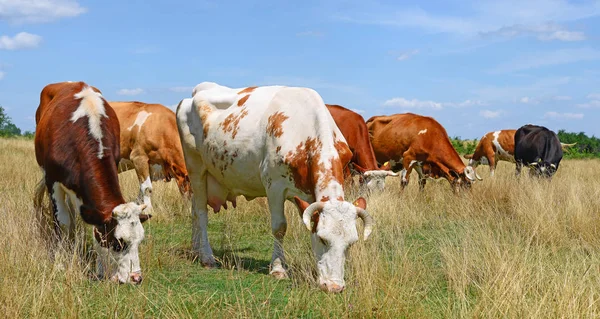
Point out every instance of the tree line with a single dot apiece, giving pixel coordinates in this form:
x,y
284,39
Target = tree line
x,y
586,147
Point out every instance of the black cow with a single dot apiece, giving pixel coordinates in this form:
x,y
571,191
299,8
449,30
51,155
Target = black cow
x,y
539,148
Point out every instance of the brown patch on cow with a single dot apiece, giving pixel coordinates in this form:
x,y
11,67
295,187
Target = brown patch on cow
x,y
243,100
204,110
325,198
275,124
232,122
340,198
278,149
248,90
304,164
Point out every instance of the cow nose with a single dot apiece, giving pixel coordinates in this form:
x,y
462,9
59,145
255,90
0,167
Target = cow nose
x,y
136,278
332,287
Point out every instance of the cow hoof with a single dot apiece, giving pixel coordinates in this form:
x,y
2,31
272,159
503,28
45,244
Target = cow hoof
x,y
279,274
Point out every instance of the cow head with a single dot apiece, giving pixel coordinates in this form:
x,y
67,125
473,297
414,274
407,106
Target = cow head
x,y
542,169
375,179
465,179
117,243
333,231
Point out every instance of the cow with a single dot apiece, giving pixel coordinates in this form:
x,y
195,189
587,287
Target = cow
x,y
538,148
353,127
273,141
150,144
493,147
77,148
418,142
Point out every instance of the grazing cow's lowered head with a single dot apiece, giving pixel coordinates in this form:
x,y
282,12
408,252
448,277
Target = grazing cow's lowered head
x,y
117,244
374,180
333,230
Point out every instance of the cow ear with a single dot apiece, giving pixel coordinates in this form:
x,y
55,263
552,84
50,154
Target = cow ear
x,y
360,202
145,217
302,205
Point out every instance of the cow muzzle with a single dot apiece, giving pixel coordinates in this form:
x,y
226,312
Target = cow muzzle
x,y
331,287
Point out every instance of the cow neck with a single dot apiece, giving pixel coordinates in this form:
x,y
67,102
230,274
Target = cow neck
x,y
100,191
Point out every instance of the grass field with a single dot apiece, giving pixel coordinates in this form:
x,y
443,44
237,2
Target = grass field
x,y
510,248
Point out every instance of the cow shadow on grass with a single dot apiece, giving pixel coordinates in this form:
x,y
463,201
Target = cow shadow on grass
x,y
230,259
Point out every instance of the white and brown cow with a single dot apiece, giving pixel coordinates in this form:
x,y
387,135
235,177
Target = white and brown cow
x,y
150,144
77,147
493,147
274,141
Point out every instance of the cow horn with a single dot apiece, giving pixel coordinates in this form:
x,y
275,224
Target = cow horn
x,y
390,173
367,220
309,211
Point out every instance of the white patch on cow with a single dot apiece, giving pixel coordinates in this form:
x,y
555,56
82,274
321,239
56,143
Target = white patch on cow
x,y
141,117
422,131
146,191
62,208
499,150
120,266
403,175
92,106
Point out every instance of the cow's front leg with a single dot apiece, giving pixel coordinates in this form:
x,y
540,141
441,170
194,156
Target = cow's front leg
x,y
422,177
200,243
278,227
519,167
142,169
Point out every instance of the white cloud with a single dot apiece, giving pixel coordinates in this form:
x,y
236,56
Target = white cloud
x,y
479,17
550,58
182,89
560,116
594,96
38,11
544,32
414,103
358,111
562,98
528,100
490,114
424,104
136,91
316,34
20,41
590,104
407,55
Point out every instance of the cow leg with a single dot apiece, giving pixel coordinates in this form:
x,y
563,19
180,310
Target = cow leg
x,y
278,228
493,162
519,167
408,160
200,243
61,213
422,178
142,169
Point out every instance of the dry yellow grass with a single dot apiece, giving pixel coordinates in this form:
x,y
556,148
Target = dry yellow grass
x,y
511,248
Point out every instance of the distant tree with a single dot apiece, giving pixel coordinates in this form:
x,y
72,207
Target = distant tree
x,y
7,128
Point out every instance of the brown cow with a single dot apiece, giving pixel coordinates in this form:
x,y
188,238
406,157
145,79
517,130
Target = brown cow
x,y
493,147
418,141
150,144
353,127
77,147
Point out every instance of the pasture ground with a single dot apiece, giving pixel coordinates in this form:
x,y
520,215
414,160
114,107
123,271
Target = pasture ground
x,y
511,248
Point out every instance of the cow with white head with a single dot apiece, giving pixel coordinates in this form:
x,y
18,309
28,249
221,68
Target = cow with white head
x,y
274,141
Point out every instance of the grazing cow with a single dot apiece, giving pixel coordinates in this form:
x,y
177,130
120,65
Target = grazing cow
x,y
493,147
418,142
273,141
77,147
353,127
150,144
538,148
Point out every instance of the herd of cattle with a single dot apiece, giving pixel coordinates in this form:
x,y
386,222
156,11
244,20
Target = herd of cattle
x,y
281,142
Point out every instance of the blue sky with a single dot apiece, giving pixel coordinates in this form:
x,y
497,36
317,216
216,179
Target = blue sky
x,y
474,66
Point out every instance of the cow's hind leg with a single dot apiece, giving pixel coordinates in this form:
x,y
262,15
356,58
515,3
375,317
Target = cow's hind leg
x,y
408,160
200,243
279,228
